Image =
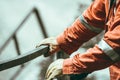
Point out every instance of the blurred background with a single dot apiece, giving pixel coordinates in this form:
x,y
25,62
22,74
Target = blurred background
x,y
24,23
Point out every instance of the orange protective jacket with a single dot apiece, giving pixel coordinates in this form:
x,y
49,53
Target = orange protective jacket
x,y
89,24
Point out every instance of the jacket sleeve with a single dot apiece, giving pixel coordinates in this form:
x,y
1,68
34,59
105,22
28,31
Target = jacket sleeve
x,y
88,25
93,59
101,56
106,53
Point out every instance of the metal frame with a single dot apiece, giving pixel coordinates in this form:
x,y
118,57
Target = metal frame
x,y
14,36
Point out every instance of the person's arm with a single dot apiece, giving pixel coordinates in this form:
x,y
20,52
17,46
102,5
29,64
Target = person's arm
x,y
93,59
106,53
88,25
101,56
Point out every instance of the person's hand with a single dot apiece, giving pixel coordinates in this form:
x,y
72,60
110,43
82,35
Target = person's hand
x,y
54,70
52,43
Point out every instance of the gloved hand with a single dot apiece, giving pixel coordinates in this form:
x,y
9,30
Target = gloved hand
x,y
52,43
55,69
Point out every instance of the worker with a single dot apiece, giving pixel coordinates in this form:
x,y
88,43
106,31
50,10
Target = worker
x,y
100,15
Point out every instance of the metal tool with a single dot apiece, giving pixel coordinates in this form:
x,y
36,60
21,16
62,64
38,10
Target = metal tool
x,y
24,57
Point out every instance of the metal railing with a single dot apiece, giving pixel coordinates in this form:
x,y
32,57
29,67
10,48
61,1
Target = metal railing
x,y
14,37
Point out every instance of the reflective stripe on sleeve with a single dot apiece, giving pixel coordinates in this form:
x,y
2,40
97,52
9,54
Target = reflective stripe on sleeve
x,y
90,27
108,50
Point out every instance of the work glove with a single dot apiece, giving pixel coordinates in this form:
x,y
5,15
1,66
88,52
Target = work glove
x,y
52,43
54,70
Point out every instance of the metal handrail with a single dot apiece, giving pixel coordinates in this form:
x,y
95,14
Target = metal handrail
x,y
14,36
34,10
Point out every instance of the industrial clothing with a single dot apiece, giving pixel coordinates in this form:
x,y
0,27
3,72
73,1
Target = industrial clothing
x,y
104,54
